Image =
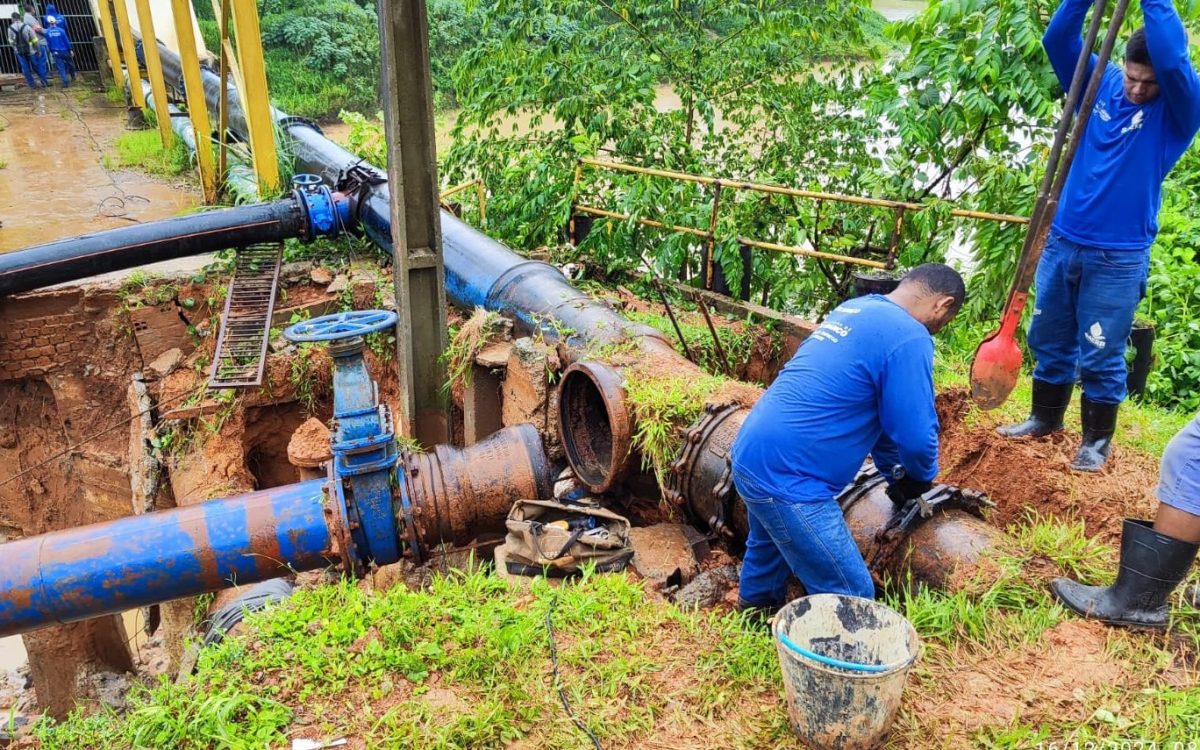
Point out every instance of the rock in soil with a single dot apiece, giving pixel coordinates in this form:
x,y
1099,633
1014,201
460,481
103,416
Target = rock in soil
x,y
663,554
709,588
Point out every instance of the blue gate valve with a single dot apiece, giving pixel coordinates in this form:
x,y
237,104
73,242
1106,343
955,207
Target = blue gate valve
x,y
325,212
363,440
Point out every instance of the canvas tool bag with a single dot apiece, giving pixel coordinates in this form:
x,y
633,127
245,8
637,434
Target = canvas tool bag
x,y
555,539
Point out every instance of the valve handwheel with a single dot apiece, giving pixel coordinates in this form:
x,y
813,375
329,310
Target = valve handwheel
x,y
306,181
343,325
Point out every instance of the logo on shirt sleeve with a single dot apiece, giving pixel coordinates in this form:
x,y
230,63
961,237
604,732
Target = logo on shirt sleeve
x,y
831,331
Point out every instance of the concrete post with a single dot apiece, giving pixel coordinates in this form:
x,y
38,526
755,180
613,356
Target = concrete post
x,y
407,95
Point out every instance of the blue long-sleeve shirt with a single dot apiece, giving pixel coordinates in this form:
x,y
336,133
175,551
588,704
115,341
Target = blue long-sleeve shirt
x,y
1114,190
862,383
58,41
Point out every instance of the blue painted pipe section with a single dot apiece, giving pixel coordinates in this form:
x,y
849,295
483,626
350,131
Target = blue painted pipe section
x,y
110,567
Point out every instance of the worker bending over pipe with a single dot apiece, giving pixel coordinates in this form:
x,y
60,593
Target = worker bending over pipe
x,y
861,383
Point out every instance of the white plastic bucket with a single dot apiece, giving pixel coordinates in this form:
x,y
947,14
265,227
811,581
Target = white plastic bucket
x,y
845,661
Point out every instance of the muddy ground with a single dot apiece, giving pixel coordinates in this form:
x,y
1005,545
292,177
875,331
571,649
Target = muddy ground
x,y
1033,477
55,184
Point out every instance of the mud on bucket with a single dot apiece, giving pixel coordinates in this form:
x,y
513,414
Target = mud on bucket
x,y
844,661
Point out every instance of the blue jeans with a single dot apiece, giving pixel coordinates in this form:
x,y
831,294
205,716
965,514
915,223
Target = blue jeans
x,y
65,68
1083,314
806,537
29,66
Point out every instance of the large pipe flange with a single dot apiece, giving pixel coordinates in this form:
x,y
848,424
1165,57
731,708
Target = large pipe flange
x,y
595,425
701,478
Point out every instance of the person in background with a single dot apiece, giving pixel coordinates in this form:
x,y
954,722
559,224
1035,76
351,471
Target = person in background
x,y
1155,556
861,383
27,46
60,50
1093,271
31,19
52,12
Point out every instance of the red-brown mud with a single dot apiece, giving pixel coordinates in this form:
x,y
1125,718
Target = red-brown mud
x,y
1033,476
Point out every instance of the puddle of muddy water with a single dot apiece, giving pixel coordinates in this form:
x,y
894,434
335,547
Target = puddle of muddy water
x,y
55,184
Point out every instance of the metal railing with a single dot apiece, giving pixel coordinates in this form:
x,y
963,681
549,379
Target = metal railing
x,y
719,185
480,196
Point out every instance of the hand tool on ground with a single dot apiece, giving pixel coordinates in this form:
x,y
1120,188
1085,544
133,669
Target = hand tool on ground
x,y
997,362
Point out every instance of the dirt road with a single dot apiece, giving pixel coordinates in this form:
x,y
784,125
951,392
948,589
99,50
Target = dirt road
x,y
54,183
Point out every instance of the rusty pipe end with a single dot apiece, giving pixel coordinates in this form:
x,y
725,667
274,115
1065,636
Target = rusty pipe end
x,y
594,424
454,494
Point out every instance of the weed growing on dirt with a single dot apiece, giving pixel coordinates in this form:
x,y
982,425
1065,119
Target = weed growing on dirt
x,y
143,149
1066,544
663,405
142,289
300,376
408,444
3,164
115,95
481,329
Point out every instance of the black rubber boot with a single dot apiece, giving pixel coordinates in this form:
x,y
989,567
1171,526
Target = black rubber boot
x,y
1099,424
1046,415
758,616
1152,565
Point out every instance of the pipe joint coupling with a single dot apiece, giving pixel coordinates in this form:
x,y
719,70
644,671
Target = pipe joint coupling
x,y
324,212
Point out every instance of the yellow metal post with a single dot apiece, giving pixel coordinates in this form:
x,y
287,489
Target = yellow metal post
x,y
154,71
222,11
109,32
129,54
255,103
194,88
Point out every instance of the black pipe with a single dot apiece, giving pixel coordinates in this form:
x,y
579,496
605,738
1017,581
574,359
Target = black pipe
x,y
127,247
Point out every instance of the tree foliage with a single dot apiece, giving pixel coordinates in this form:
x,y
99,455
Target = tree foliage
x,y
961,111
690,86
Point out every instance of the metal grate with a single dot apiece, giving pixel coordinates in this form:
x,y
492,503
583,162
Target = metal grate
x,y
246,322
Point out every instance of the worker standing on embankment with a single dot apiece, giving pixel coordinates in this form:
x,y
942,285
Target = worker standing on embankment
x,y
1154,558
861,383
1093,271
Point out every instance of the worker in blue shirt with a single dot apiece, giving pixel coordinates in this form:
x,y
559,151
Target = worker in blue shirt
x,y
1093,271
861,383
52,12
60,50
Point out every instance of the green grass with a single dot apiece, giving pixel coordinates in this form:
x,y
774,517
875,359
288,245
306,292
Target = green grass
x,y
143,150
464,664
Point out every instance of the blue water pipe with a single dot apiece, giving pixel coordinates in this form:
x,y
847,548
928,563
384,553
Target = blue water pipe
x,y
348,520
